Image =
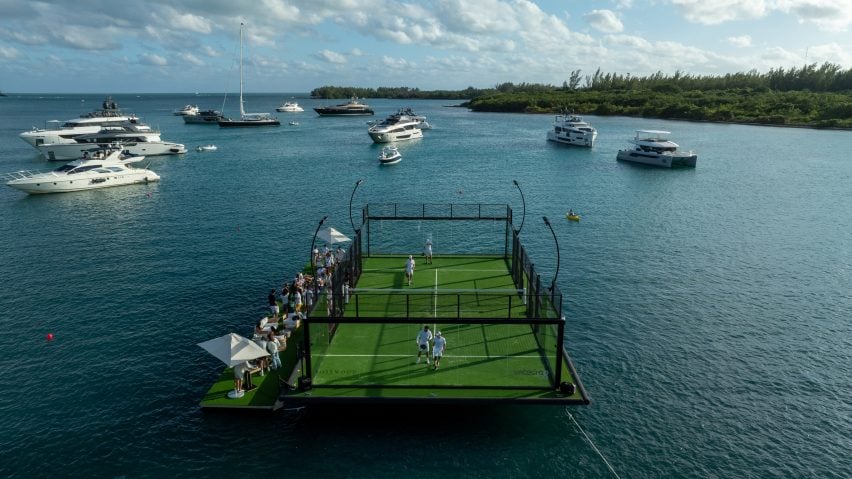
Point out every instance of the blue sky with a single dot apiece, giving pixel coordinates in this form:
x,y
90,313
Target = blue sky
x,y
95,46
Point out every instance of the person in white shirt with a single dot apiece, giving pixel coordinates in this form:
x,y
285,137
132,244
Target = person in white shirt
x,y
423,338
438,348
409,270
427,251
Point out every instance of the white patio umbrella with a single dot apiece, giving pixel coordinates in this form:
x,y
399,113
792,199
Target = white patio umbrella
x,y
332,236
233,349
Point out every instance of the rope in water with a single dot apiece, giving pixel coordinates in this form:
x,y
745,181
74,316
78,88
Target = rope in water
x,y
593,445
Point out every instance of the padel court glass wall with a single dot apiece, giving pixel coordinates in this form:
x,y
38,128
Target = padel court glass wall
x,y
504,331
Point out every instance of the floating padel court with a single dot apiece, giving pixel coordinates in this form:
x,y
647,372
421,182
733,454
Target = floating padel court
x,y
505,331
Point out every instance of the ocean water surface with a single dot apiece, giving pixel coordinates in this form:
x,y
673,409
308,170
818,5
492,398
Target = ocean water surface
x,y
709,309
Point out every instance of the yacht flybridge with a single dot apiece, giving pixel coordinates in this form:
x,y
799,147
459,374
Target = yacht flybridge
x,y
247,119
397,127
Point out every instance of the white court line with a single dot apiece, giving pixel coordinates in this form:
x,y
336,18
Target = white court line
x,y
409,355
444,267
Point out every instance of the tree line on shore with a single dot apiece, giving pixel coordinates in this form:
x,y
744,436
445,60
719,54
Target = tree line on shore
x,y
812,95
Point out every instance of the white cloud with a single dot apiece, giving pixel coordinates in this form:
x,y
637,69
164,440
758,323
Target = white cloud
x,y
719,11
356,52
8,53
209,51
190,58
740,41
152,59
190,22
830,52
331,57
829,15
398,63
604,21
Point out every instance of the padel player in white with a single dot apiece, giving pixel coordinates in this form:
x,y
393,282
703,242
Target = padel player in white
x,y
409,271
438,348
423,338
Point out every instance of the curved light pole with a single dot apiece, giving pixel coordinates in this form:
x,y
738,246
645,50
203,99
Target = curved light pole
x,y
524,215
547,222
357,184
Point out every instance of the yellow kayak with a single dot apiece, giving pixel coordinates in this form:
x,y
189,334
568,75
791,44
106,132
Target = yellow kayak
x,y
573,217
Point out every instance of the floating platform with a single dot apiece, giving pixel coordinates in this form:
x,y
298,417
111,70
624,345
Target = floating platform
x,y
506,334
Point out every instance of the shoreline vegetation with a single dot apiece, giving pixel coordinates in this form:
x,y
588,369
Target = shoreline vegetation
x,y
813,96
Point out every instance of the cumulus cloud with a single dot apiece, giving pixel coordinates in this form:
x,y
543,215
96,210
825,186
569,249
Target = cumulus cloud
x,y
719,11
8,53
740,41
152,59
330,57
398,63
192,59
604,21
828,15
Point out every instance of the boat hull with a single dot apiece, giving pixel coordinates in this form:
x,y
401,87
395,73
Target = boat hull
x,y
247,123
664,161
341,112
57,184
585,139
65,152
202,119
390,161
390,137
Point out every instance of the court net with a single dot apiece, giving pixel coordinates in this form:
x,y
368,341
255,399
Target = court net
x,y
437,303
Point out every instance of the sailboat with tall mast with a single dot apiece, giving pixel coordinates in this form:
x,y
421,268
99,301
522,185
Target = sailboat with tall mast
x,y
248,119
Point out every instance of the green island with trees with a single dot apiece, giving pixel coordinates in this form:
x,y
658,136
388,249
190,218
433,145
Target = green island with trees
x,y
817,96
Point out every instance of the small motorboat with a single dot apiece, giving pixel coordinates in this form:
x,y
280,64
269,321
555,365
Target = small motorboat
x,y
390,155
207,148
294,123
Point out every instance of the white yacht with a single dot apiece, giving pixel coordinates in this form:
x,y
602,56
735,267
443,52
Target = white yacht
x,y
290,107
409,113
59,132
570,129
397,127
132,139
103,169
652,147
187,110
207,117
390,155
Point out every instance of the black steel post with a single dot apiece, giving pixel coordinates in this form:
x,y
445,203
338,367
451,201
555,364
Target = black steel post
x,y
357,184
524,213
547,222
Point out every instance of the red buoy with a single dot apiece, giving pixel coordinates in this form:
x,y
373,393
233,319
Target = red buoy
x,y
49,336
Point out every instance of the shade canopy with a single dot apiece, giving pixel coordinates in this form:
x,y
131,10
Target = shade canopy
x,y
233,349
332,236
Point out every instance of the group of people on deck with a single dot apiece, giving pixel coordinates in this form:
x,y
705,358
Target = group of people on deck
x,y
439,344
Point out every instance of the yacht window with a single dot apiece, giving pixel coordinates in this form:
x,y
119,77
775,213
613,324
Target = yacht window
x,y
84,168
116,169
64,168
102,170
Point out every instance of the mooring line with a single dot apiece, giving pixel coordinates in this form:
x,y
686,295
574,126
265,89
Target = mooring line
x,y
593,445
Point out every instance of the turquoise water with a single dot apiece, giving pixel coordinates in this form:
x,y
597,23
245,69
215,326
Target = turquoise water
x,y
708,308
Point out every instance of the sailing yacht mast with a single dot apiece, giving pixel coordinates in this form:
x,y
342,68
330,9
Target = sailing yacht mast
x,y
242,110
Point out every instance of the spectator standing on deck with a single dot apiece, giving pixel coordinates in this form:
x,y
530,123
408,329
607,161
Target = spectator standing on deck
x,y
273,303
423,338
438,348
427,251
409,270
